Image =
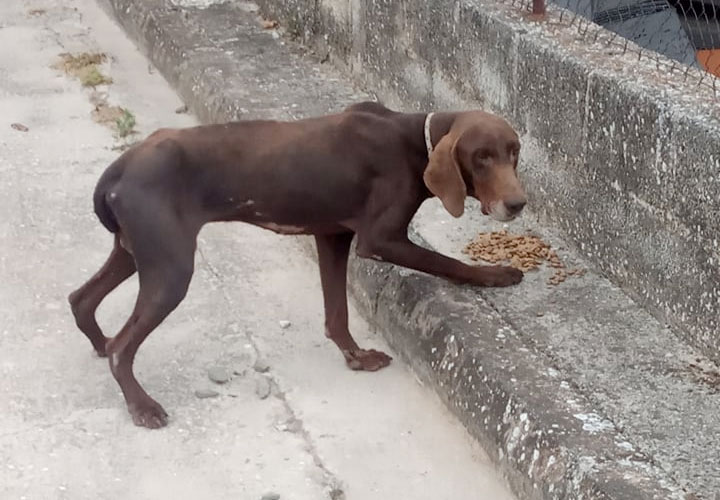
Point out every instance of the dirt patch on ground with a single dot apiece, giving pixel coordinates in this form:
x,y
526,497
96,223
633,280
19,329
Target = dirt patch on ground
x,y
710,377
120,120
106,114
525,252
700,370
84,66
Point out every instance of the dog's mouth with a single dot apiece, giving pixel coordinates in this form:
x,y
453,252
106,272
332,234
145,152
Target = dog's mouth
x,y
498,211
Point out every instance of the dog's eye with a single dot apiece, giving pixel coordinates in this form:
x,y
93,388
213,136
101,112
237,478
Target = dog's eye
x,y
514,155
482,156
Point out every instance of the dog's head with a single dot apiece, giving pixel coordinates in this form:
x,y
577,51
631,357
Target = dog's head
x,y
477,157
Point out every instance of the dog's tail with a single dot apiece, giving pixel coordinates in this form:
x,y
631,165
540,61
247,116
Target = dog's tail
x,y
107,181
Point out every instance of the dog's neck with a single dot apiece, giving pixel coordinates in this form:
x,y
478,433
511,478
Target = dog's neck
x,y
423,139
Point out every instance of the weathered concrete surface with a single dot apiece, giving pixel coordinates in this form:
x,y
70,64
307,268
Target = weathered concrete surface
x,y
64,431
593,399
638,377
622,157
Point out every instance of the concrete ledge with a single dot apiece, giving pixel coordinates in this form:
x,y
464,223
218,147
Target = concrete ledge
x,y
199,64
524,385
621,157
505,392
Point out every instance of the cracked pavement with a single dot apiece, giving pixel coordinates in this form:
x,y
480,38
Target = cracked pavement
x,y
323,431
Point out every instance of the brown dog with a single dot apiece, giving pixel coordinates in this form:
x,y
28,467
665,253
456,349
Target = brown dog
x,y
362,172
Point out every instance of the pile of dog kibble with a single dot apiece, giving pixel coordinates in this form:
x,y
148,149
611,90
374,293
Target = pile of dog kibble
x,y
524,252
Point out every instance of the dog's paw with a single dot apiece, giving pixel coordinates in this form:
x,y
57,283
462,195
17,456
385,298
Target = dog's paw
x,y
497,276
148,414
368,360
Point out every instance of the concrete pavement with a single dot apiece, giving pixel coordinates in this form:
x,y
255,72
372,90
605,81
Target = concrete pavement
x,y
322,432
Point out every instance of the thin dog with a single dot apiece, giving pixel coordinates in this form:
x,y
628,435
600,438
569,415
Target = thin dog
x,y
363,172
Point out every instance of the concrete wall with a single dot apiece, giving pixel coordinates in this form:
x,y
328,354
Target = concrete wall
x,y
622,157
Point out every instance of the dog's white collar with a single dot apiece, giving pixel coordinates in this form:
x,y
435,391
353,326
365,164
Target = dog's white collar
x,y
428,139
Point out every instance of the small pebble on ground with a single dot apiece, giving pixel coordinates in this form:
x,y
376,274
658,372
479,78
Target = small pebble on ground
x,y
261,366
218,374
337,494
262,387
206,393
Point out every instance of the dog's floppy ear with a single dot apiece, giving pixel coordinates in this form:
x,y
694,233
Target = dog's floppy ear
x,y
443,178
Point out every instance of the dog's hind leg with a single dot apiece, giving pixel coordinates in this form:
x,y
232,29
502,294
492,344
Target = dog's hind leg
x,y
333,253
86,299
164,249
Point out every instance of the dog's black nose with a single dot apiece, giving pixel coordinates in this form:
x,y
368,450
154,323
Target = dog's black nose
x,y
515,206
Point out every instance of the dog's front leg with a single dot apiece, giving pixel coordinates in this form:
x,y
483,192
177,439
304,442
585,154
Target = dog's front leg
x,y
405,253
333,253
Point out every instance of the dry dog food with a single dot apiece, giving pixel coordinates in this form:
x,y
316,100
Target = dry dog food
x,y
525,252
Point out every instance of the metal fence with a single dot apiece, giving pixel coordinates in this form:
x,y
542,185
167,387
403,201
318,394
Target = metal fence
x,y
685,32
